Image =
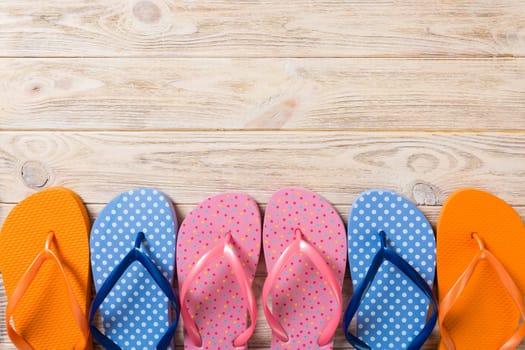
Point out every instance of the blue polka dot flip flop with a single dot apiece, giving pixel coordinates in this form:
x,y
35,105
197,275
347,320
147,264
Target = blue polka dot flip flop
x,y
132,258
391,251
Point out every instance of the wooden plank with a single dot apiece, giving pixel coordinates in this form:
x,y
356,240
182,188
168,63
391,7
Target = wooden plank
x,y
182,210
262,335
270,28
260,338
190,166
431,212
293,94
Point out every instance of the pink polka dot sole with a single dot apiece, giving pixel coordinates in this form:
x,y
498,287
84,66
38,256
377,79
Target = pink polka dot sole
x,y
215,300
301,298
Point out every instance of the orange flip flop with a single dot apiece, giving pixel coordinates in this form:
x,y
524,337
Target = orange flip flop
x,y
44,258
481,272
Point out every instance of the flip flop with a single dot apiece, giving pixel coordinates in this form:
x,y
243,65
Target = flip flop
x,y
217,254
481,272
132,258
391,252
44,257
305,254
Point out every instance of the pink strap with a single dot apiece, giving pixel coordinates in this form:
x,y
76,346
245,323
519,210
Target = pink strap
x,y
299,245
226,249
457,289
25,283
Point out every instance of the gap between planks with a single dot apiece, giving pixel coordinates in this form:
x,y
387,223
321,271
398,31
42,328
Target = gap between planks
x,y
270,131
189,58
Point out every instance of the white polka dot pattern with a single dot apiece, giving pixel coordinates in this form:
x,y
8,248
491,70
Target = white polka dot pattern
x,y
394,310
135,313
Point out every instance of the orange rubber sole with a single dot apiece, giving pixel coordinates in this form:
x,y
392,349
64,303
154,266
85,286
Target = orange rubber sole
x,y
43,315
484,316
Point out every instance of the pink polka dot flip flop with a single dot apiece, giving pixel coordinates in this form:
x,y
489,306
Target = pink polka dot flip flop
x,y
305,253
217,253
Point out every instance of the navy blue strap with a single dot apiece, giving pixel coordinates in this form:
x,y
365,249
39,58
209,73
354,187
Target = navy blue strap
x,y
386,253
134,254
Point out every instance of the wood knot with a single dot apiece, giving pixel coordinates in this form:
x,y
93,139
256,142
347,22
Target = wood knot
x,y
422,163
424,194
34,89
290,103
147,12
35,174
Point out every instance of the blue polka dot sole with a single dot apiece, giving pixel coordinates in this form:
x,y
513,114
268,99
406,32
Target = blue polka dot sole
x,y
135,229
388,233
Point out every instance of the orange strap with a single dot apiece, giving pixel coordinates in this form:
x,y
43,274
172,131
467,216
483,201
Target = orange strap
x,y
454,293
25,283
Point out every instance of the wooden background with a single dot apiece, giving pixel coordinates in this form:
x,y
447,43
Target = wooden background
x,y
200,97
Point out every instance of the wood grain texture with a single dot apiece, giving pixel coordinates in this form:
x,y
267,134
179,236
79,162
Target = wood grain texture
x,y
264,94
270,28
190,166
199,97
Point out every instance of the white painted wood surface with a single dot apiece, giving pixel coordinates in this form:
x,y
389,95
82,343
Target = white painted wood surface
x,y
200,97
266,28
262,94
